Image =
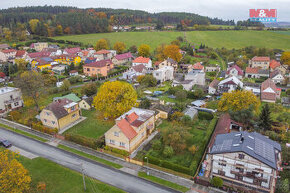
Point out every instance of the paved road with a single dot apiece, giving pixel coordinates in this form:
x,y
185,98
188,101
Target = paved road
x,y
95,170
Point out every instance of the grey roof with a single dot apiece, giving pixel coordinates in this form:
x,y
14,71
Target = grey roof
x,y
253,144
191,111
285,100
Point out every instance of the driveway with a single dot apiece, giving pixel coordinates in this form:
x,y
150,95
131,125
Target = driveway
x,y
114,177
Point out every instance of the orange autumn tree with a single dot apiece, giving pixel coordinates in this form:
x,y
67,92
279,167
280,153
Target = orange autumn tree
x,y
285,58
102,44
144,50
119,47
14,178
238,100
172,51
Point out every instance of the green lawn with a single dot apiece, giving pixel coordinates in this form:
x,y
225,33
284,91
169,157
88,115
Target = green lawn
x,y
93,126
59,179
215,39
108,163
163,182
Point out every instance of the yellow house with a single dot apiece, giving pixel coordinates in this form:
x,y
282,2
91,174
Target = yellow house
x,y
86,103
60,114
131,129
162,111
42,63
66,59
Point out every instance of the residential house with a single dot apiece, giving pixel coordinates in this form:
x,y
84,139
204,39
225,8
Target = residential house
x,y
31,56
67,59
99,68
198,67
212,87
236,71
10,99
74,51
198,77
277,77
248,161
122,58
229,84
39,46
256,72
186,84
3,77
42,63
60,114
73,73
164,74
255,90
73,97
260,62
20,54
103,55
275,65
162,111
167,62
269,91
86,103
59,69
131,129
147,62
7,55
198,103
4,46
90,60
186,67
134,72
212,68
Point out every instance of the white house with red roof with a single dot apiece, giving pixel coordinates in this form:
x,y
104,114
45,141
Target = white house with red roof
x,y
104,54
236,71
134,72
229,84
75,50
20,54
6,55
269,91
275,65
198,66
131,129
277,77
260,62
147,62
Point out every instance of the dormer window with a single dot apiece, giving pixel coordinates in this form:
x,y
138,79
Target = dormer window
x,y
241,156
116,134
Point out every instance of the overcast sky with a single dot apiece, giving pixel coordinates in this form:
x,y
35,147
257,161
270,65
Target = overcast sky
x,y
225,9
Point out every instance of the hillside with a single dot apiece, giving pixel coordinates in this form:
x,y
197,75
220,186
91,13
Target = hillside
x,y
215,39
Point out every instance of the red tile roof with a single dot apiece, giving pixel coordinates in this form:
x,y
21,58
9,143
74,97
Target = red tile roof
x,y
157,63
274,64
73,71
214,83
20,53
103,52
72,50
268,83
260,58
198,66
39,54
132,117
139,68
240,71
8,51
99,64
141,59
127,129
124,56
250,70
2,75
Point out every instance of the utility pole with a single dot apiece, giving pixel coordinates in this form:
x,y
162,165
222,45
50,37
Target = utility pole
x,y
83,177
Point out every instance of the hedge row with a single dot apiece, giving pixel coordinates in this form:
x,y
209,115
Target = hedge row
x,y
168,165
88,142
205,115
39,127
118,151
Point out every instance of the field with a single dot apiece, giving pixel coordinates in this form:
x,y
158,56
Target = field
x,y
215,39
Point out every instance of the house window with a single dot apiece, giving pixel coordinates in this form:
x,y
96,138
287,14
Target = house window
x,y
241,156
16,104
72,108
222,163
222,173
11,97
112,141
74,115
45,120
116,134
122,144
88,69
53,122
47,113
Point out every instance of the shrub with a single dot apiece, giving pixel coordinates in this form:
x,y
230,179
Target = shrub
x,y
217,182
181,94
176,116
15,115
186,120
152,160
118,151
39,127
81,140
75,79
156,145
175,167
205,115
168,152
193,167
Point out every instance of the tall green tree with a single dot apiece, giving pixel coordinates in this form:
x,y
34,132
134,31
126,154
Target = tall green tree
x,y
265,121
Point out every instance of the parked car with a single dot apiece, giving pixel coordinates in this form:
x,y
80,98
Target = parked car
x,y
5,143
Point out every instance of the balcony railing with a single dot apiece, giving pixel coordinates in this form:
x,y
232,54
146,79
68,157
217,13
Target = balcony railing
x,y
12,100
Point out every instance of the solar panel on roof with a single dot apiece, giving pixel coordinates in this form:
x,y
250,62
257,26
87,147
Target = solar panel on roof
x,y
264,149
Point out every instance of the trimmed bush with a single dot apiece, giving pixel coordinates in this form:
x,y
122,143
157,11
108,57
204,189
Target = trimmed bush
x,y
152,160
118,151
205,115
175,167
217,182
